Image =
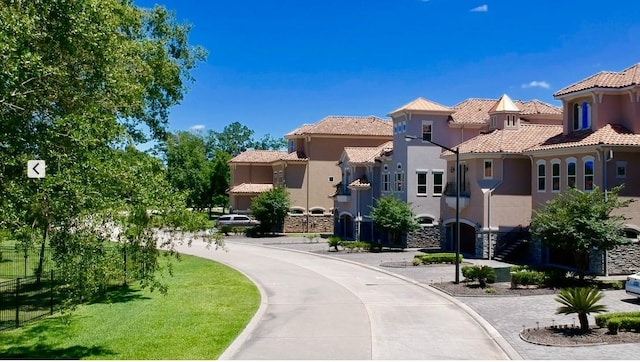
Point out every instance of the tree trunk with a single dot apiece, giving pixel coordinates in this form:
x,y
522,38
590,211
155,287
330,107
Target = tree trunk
x,y
584,322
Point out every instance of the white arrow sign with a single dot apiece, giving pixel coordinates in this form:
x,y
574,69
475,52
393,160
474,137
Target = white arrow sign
x,y
36,168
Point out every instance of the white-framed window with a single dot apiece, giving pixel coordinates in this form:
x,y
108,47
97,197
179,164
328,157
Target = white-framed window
x,y
542,175
581,113
487,172
555,175
438,182
404,127
421,182
330,179
386,179
494,121
511,120
426,221
588,163
292,146
427,130
571,172
621,169
399,179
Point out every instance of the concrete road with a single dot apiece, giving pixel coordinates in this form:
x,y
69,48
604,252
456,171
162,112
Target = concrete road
x,y
321,308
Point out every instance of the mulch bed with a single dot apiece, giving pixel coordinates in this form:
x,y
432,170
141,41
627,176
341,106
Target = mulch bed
x,y
573,337
497,289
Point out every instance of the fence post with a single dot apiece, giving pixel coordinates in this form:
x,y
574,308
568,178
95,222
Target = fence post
x,y
17,302
51,293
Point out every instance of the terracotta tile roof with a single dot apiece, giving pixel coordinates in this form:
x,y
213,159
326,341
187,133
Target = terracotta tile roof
x,y
347,126
250,188
537,107
626,78
509,140
611,134
265,156
367,154
421,104
360,183
472,111
476,111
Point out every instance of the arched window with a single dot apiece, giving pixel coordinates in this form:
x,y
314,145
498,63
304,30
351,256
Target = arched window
x,y
399,178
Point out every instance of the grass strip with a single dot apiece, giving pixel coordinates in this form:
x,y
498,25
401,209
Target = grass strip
x,y
207,306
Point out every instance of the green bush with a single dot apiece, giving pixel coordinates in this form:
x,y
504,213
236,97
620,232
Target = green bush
x,y
356,245
437,258
482,273
602,319
613,325
226,229
527,277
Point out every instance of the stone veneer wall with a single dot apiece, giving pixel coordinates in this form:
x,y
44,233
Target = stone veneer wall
x,y
427,237
624,259
322,224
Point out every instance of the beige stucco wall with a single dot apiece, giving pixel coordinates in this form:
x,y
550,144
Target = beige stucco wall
x,y
247,173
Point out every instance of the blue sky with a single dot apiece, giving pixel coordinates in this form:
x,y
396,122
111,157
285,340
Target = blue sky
x,y
274,65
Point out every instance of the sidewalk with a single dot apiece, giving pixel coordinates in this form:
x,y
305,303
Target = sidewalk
x,y
507,315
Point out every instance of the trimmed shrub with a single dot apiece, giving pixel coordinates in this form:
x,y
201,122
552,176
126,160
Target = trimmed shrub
x,y
613,325
436,258
416,261
527,277
482,273
602,319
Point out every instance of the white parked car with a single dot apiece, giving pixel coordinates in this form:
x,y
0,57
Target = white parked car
x,y
236,220
632,286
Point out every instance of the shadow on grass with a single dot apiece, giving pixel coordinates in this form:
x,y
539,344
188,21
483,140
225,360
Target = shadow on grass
x,y
34,343
120,294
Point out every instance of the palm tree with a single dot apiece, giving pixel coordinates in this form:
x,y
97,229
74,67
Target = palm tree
x,y
581,301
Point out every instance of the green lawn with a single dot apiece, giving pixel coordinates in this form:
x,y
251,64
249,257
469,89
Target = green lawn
x,y
208,305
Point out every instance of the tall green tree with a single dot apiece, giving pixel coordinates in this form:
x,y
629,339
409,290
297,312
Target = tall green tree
x,y
393,216
220,179
81,80
270,208
234,139
267,142
188,168
577,221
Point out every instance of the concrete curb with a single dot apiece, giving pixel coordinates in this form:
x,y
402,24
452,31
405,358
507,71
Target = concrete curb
x,y
248,330
489,329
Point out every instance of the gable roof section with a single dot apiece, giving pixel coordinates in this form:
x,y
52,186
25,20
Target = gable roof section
x,y
511,141
265,156
612,80
422,105
347,126
367,154
476,111
611,134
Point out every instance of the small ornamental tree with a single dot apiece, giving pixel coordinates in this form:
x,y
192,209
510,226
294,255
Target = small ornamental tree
x,y
393,216
578,221
270,208
581,301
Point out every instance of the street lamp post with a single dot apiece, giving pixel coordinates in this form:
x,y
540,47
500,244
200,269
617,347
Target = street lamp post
x,y
455,151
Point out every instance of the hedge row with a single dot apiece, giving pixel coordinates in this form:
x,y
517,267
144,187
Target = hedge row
x,y
437,258
628,321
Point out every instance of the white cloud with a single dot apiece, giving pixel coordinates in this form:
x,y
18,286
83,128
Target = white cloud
x,y
197,127
535,83
481,9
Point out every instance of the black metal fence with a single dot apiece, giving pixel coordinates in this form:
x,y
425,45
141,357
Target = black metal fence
x,y
19,262
27,285
27,299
